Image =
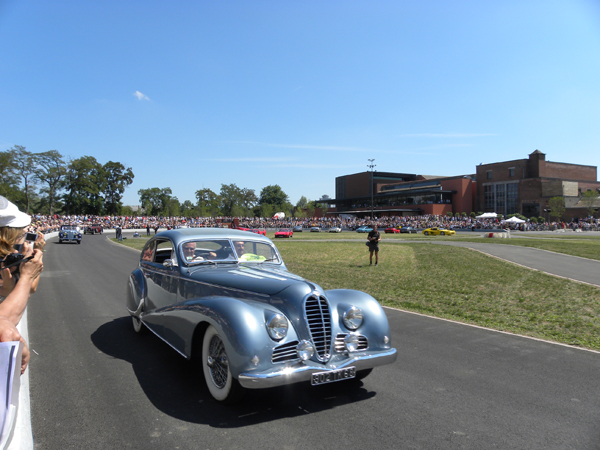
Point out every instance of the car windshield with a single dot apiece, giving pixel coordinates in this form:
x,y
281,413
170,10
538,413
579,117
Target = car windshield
x,y
204,251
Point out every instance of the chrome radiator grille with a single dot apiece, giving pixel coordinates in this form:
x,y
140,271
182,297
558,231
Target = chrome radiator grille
x,y
319,324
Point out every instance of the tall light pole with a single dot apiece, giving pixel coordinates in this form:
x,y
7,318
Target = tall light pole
x,y
371,167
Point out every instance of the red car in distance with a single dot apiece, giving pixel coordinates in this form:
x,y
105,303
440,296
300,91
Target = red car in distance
x,y
284,233
258,231
392,230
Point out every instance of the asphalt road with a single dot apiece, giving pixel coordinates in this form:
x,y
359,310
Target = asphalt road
x,y
97,385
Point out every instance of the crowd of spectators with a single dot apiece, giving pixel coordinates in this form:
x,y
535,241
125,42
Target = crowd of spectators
x,y
47,224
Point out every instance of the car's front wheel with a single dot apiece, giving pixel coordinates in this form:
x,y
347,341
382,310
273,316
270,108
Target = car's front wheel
x,y
426,233
215,365
442,233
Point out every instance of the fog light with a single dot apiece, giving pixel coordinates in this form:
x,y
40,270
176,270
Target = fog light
x,y
305,350
351,342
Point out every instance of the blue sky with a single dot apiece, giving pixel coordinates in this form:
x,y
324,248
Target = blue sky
x,y
195,94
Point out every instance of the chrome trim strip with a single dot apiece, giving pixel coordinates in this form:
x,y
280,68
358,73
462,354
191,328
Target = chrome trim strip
x,y
162,339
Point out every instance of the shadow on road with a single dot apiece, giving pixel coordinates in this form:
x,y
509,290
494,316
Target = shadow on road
x,y
177,389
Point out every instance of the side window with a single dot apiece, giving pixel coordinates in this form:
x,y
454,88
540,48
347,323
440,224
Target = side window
x,y
148,251
164,250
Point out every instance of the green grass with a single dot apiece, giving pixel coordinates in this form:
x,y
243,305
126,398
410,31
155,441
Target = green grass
x,y
454,283
586,246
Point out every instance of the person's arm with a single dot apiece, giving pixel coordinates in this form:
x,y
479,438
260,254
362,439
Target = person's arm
x,y
8,333
15,303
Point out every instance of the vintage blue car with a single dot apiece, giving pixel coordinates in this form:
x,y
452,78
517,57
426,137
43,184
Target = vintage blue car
x,y
69,233
225,299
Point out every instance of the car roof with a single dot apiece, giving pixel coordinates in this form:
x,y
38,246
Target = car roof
x,y
185,234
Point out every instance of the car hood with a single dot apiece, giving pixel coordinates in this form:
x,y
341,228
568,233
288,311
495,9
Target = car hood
x,y
261,279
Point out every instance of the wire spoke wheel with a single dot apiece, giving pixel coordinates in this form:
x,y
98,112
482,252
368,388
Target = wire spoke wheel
x,y
215,365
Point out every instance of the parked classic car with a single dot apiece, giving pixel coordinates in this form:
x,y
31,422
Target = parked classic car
x,y
335,230
69,233
392,230
284,233
364,229
315,229
297,229
225,299
408,230
93,229
435,231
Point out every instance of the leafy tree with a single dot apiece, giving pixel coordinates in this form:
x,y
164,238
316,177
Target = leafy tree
x,y
208,203
155,201
84,181
25,165
248,200
9,179
533,220
274,195
51,171
231,198
301,204
473,215
116,179
557,207
588,198
187,209
267,210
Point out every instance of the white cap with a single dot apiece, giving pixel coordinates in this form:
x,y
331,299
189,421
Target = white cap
x,y
10,216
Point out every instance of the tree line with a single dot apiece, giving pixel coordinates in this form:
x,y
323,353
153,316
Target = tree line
x,y
46,183
231,201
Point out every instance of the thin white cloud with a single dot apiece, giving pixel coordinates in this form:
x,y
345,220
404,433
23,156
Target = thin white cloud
x,y
448,135
413,151
140,96
250,159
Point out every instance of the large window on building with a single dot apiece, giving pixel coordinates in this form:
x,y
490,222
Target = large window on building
x,y
501,198
512,198
489,196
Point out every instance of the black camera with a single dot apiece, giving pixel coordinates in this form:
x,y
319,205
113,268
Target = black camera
x,y
14,259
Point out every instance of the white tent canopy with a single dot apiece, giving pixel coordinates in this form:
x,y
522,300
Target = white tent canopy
x,y
487,216
514,219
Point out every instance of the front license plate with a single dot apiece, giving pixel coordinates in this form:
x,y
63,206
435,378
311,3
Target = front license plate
x,y
333,375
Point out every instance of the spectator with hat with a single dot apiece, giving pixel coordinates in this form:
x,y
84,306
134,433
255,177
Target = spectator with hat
x,y
20,280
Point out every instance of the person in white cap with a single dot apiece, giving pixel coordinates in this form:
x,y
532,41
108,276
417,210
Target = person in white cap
x,y
15,290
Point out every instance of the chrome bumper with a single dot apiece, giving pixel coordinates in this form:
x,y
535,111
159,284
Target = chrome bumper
x,y
302,371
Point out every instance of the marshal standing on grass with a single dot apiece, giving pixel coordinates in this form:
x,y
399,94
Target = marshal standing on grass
x,y
373,242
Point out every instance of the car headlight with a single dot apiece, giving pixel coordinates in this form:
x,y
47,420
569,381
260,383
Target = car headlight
x,y
305,350
353,318
277,327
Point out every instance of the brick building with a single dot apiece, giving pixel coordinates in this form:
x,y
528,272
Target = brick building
x,y
402,194
525,186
